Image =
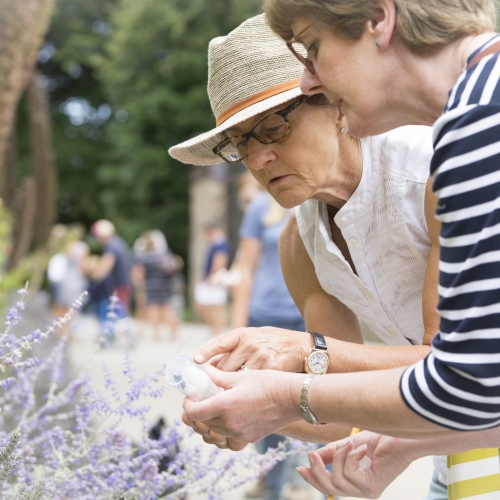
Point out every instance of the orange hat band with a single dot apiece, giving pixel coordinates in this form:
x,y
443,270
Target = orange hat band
x,y
260,96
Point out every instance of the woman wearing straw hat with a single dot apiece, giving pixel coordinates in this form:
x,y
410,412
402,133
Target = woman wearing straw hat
x,y
361,244
392,63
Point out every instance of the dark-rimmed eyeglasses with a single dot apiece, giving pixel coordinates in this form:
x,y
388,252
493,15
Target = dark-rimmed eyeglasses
x,y
269,130
296,48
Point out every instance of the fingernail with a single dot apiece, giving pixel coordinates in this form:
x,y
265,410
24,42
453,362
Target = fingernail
x,y
311,459
198,357
299,470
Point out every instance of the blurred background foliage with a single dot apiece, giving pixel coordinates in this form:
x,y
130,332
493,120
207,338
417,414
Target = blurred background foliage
x,y
127,80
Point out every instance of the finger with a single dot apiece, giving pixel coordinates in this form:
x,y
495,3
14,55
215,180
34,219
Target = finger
x,y
318,470
338,465
222,344
308,476
202,410
216,439
201,429
327,452
233,361
357,463
221,378
216,360
187,420
236,444
339,479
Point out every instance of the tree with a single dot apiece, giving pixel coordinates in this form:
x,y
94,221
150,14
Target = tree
x,y
127,80
22,28
155,74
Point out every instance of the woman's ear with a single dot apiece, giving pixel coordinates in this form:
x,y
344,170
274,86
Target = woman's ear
x,y
341,122
382,24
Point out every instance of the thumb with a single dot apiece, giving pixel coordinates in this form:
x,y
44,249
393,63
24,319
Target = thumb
x,y
357,460
220,378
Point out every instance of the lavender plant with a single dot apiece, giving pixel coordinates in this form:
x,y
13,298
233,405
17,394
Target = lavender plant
x,y
66,441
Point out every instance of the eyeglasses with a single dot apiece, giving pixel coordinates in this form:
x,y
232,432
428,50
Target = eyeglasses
x,y
269,130
296,48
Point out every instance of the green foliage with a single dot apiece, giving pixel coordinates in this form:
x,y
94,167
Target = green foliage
x,y
145,65
155,68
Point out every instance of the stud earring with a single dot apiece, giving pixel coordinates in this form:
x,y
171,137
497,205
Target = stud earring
x,y
378,45
343,130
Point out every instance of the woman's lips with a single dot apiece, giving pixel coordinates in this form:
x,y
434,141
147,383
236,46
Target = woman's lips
x,y
277,180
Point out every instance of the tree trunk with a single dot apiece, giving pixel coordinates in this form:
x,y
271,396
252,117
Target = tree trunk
x,y
23,24
25,205
9,181
42,160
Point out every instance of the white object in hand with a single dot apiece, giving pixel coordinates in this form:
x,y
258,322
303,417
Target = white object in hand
x,y
190,378
364,463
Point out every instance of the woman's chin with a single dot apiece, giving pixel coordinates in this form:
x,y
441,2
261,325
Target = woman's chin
x,y
287,200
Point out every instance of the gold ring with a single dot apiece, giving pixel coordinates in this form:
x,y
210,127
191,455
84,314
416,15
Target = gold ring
x,y
242,368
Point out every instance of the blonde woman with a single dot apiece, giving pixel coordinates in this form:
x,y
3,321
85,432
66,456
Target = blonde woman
x,y
154,268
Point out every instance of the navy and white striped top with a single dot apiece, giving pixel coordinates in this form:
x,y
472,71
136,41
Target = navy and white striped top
x,y
458,384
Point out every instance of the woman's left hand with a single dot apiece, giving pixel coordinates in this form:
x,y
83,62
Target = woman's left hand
x,y
265,348
384,459
254,403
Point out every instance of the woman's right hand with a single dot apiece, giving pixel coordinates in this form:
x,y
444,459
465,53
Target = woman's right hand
x,y
265,348
211,437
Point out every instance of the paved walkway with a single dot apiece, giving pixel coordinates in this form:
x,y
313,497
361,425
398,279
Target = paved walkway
x,y
147,355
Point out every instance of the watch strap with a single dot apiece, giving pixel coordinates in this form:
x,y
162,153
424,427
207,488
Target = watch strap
x,y
319,340
307,414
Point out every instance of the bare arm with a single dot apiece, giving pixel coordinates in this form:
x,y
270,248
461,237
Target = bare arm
x,y
430,296
246,263
285,350
104,267
321,311
219,261
320,434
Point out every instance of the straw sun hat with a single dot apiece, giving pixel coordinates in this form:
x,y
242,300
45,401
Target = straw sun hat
x,y
249,71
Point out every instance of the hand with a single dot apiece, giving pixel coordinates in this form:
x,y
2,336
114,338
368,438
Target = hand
x,y
254,404
210,437
226,278
264,348
389,458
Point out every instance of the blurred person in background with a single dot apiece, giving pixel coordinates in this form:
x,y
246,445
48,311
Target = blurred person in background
x,y
210,299
116,261
66,273
154,270
99,291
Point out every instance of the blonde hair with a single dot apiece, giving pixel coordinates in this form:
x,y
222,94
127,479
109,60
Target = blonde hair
x,y
424,26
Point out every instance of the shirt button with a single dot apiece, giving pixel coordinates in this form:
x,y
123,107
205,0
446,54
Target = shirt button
x,y
368,293
393,332
352,242
343,221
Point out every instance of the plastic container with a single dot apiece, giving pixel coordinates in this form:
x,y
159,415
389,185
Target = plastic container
x,y
189,378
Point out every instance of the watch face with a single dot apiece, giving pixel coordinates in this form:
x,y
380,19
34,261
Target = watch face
x,y
317,362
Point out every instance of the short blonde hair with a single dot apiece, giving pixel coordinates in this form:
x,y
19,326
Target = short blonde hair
x,y
424,26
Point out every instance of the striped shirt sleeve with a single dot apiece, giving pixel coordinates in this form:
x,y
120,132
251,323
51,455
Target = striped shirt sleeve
x,y
458,384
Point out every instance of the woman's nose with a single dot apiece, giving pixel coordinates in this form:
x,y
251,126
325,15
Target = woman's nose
x,y
310,83
259,155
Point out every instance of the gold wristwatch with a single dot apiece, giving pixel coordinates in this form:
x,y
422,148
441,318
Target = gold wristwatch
x,y
318,359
